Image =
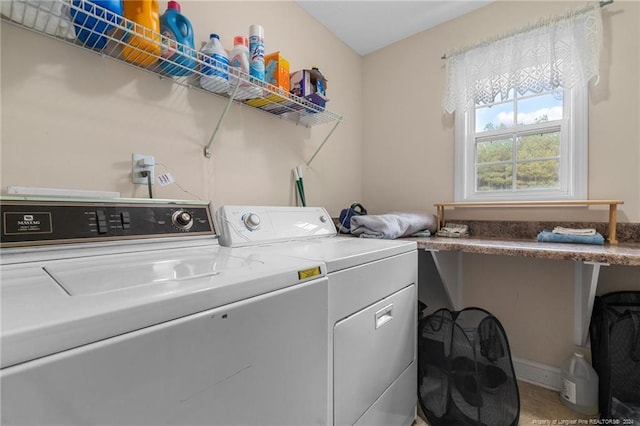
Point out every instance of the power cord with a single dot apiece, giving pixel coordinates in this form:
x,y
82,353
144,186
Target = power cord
x,y
176,183
145,173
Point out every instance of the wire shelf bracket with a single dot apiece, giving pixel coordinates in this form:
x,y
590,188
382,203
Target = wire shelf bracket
x,y
308,163
207,149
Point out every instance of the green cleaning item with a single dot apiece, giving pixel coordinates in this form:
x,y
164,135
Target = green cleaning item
x,y
297,171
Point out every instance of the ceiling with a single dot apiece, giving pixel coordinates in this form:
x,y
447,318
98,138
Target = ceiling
x,y
369,25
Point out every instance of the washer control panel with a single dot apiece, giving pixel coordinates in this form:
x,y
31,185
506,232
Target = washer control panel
x,y
250,225
31,222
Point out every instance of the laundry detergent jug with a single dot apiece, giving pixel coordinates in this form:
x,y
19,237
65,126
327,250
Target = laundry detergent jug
x,y
215,76
178,50
143,44
92,20
239,63
579,389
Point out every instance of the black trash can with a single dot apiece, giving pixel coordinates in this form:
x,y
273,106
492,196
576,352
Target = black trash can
x,y
615,353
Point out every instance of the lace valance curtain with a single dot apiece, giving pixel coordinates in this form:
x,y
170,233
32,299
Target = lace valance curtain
x,y
560,53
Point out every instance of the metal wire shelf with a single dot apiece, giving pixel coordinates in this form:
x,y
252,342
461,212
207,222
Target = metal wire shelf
x,y
84,24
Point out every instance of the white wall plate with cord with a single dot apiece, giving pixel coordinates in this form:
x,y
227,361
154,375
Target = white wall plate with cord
x,y
140,165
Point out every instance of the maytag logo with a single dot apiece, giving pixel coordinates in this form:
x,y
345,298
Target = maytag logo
x,y
28,219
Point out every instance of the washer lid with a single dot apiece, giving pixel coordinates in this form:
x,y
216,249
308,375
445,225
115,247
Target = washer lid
x,y
99,275
52,306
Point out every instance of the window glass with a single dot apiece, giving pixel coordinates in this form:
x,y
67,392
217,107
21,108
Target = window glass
x,y
538,145
538,174
538,109
490,151
494,117
496,177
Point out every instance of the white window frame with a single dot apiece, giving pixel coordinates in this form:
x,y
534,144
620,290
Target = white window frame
x,y
573,153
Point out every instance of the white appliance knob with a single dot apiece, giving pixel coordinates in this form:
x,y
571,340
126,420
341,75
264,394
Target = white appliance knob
x,y
323,218
251,221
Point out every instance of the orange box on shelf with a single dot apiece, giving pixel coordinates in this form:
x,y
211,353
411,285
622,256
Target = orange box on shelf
x,y
277,71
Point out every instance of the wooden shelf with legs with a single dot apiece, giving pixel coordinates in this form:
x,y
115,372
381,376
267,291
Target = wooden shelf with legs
x,y
613,209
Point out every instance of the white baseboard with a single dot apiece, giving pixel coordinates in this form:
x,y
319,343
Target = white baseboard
x,y
536,373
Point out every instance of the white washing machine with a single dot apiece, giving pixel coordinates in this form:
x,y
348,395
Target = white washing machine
x,y
372,306
130,313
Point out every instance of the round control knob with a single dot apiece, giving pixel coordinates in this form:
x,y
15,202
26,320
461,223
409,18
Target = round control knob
x,y
182,219
251,221
323,219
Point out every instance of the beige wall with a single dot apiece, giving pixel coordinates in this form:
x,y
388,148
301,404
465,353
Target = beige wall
x,y
71,119
407,134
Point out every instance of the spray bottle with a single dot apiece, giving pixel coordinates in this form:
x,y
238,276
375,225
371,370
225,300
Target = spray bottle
x,y
256,51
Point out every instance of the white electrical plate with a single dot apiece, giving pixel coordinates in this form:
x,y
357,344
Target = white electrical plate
x,y
140,163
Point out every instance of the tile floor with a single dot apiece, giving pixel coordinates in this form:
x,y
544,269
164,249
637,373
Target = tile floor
x,y
539,406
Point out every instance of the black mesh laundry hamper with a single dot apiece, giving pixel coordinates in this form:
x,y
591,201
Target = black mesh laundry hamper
x,y
465,372
615,352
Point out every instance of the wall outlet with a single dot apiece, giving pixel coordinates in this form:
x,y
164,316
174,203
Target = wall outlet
x,y
140,164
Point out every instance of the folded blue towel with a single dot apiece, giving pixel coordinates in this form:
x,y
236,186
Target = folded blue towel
x,y
547,236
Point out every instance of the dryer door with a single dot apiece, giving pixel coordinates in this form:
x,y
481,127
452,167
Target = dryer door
x,y
371,350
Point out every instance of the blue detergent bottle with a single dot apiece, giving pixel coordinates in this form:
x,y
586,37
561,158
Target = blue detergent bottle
x,y
92,20
178,49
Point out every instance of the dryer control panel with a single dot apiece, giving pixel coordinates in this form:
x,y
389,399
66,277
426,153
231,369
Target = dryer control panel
x,y
255,225
38,222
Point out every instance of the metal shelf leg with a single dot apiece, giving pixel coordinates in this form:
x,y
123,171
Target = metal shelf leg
x,y
308,163
585,285
207,149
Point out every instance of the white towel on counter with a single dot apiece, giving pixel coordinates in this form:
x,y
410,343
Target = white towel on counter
x,y
574,231
392,225
453,230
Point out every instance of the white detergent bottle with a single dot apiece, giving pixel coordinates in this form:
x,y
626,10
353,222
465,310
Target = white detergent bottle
x,y
239,61
579,389
215,76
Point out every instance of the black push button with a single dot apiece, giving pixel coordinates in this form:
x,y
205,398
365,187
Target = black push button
x,y
102,221
125,219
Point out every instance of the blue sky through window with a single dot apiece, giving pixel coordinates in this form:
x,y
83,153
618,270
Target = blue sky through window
x,y
531,110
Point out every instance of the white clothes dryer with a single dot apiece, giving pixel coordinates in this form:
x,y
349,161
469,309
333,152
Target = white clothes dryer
x,y
372,306
130,313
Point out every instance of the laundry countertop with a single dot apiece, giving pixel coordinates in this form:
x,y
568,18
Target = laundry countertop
x,y
621,254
